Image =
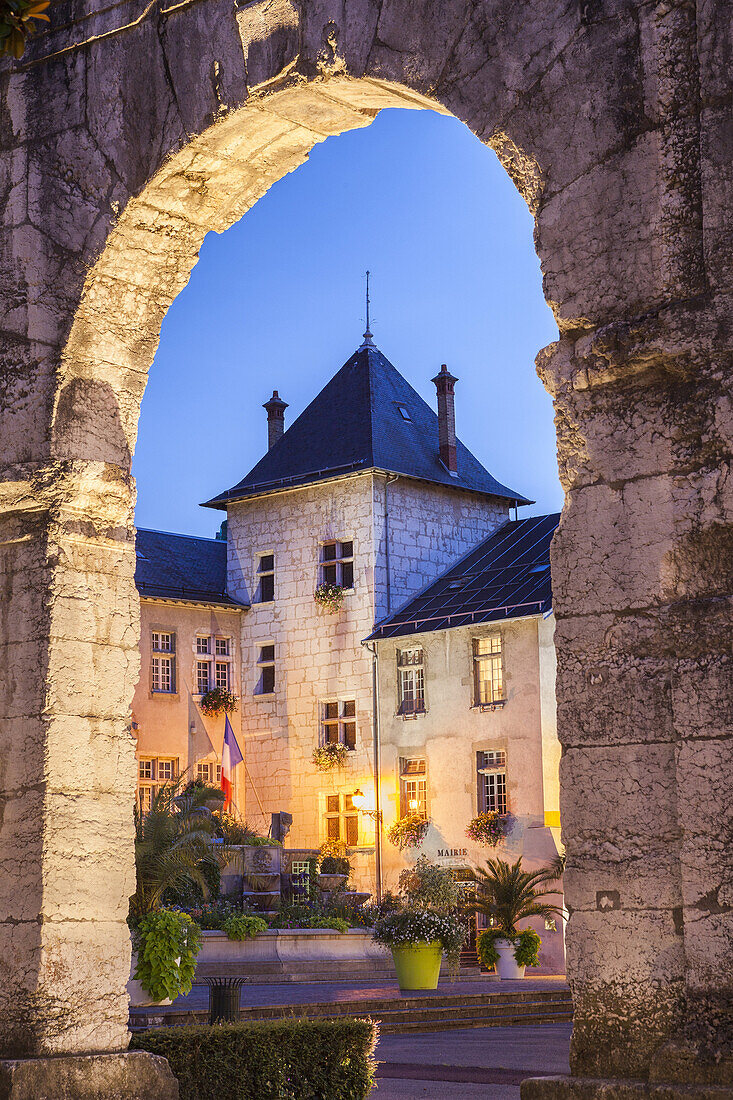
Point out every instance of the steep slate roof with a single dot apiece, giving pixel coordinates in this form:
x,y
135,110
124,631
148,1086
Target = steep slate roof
x,y
183,568
354,424
505,577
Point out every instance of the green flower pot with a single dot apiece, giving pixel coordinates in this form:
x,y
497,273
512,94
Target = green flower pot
x,y
418,965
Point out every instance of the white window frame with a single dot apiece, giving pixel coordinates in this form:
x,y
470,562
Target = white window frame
x,y
489,691
411,681
150,779
414,786
492,785
338,563
339,721
263,663
206,769
163,662
212,654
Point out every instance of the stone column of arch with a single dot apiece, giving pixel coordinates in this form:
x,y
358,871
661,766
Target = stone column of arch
x,y
129,134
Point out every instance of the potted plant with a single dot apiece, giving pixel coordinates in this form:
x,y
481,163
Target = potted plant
x,y
174,854
425,926
506,895
165,944
329,596
218,701
486,828
334,872
329,756
408,831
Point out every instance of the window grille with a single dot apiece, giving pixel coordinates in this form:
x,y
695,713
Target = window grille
x,y
210,672
209,773
266,666
153,773
341,819
413,787
203,674
203,644
338,723
300,876
147,769
162,642
222,675
488,671
164,674
491,769
337,564
411,681
221,647
265,578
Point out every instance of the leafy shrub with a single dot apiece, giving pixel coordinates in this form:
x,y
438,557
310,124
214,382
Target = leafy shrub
x,y
488,956
428,886
336,923
335,865
527,948
243,927
166,943
333,848
408,831
232,829
268,1059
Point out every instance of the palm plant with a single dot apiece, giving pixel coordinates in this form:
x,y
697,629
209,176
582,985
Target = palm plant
x,y
506,894
174,844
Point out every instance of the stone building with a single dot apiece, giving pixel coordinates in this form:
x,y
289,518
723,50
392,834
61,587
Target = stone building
x,y
467,714
370,490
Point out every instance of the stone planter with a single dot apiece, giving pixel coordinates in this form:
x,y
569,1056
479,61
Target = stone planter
x,y
418,965
507,966
332,882
287,954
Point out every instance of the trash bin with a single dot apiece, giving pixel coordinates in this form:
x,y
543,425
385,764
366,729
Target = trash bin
x,y
224,999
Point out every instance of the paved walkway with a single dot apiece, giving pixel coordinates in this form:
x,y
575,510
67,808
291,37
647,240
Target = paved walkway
x,y
303,993
474,1064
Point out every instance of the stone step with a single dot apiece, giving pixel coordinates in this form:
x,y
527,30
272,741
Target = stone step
x,y
455,1022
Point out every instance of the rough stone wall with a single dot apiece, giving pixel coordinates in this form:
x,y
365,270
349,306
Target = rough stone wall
x,y
318,655
127,134
429,527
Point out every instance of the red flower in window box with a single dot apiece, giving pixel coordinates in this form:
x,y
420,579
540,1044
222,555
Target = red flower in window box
x,y
218,701
487,828
329,756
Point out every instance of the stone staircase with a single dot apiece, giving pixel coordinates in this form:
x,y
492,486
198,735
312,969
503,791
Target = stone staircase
x,y
427,1012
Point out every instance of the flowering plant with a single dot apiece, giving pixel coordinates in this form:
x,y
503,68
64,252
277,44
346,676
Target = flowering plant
x,y
330,596
486,828
329,756
218,701
408,831
409,926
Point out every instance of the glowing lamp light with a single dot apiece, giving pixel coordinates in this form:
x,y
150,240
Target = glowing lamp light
x,y
358,798
413,804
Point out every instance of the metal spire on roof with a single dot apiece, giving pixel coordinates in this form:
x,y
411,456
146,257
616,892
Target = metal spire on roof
x,y
368,342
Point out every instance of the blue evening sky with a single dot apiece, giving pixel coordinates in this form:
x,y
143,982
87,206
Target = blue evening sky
x,y
278,301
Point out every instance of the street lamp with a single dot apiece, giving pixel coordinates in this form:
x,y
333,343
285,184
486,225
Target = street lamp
x,y
366,806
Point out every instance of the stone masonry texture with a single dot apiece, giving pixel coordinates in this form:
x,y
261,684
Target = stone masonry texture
x,y
130,131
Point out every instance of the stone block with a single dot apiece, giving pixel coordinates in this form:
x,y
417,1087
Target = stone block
x,y
135,1075
584,1088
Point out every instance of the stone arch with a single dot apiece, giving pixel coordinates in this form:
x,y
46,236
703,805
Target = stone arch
x,y
135,130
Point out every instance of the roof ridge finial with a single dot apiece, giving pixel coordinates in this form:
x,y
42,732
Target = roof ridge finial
x,y
368,342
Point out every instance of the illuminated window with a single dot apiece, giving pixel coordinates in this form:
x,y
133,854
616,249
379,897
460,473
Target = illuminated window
x,y
488,671
341,819
491,768
338,723
411,681
337,564
413,787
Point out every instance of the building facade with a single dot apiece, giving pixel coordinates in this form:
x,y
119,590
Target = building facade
x,y
371,491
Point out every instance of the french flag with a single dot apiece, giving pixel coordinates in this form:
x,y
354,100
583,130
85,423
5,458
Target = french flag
x,y
231,756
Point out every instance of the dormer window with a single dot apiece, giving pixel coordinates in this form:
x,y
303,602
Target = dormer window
x,y
404,413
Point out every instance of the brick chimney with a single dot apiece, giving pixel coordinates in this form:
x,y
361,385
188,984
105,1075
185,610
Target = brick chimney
x,y
275,418
444,383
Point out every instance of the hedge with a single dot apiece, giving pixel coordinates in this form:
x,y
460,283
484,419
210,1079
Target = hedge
x,y
294,1059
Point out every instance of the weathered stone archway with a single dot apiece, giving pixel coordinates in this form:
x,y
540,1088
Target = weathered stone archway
x,y
131,132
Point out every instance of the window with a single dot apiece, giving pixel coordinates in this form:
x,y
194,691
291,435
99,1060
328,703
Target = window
x,y
209,773
491,769
212,672
338,723
300,877
342,819
153,772
411,681
265,578
266,665
488,671
337,564
404,412
163,677
413,787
